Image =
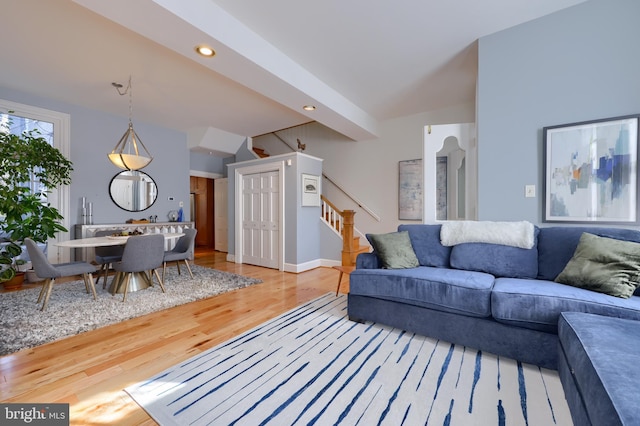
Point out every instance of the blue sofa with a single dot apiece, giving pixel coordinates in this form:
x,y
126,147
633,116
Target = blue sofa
x,y
495,298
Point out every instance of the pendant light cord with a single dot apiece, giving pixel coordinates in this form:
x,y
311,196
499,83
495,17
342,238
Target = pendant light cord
x,y
128,90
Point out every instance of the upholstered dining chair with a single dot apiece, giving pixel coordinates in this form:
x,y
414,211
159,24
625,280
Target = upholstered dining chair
x,y
142,254
49,272
183,251
106,256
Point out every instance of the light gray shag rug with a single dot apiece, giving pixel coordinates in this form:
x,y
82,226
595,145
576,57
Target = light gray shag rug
x,y
72,311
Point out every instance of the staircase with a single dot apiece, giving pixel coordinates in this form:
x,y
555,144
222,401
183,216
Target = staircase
x,y
260,152
342,222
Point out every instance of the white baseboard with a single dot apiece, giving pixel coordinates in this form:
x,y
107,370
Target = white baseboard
x,y
307,266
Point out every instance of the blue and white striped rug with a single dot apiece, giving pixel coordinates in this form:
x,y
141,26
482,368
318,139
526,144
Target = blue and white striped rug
x,y
313,366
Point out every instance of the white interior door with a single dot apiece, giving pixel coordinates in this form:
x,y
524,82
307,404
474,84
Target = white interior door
x,y
269,202
260,218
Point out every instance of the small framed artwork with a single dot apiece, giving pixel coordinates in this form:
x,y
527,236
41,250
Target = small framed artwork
x,y
310,190
410,190
591,171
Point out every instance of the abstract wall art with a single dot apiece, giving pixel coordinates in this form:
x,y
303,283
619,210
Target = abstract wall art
x,y
591,171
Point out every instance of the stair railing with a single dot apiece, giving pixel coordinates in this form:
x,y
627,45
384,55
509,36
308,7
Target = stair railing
x,y
332,216
342,222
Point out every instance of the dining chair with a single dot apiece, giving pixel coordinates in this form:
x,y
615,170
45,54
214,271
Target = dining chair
x,y
49,272
142,254
182,251
106,256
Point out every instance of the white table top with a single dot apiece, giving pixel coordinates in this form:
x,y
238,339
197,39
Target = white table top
x,y
106,241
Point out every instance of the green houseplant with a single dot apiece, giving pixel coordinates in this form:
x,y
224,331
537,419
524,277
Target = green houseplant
x,y
27,159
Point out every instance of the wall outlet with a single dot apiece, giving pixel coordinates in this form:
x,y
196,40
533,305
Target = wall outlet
x,y
529,191
170,198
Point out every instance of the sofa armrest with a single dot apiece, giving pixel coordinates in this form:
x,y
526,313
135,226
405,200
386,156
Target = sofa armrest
x,y
367,261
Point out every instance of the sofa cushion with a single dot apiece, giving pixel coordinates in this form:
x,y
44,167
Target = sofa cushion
x,y
603,358
605,265
450,290
556,245
496,259
394,250
425,240
537,304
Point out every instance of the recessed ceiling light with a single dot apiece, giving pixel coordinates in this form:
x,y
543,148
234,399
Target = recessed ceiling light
x,y
205,50
309,108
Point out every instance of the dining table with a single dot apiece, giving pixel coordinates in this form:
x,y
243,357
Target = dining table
x,y
139,280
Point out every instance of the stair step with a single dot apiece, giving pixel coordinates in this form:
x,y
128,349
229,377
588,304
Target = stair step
x,y
260,152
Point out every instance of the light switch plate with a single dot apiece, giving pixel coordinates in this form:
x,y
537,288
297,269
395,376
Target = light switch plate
x,y
529,191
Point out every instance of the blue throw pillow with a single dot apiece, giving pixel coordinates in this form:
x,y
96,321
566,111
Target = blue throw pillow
x,y
496,259
425,240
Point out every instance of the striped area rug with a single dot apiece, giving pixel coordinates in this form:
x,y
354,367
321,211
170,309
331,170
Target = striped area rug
x,y
312,365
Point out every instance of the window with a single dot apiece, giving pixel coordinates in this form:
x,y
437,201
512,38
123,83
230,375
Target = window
x,y
53,126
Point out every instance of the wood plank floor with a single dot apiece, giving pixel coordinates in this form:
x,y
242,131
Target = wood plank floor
x,y
89,371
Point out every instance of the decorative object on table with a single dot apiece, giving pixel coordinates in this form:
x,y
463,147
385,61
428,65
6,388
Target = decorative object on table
x,y
84,212
180,215
139,221
410,190
312,365
69,313
24,158
173,215
127,153
591,171
310,190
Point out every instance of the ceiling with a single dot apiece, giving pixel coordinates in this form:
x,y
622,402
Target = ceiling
x,y
359,62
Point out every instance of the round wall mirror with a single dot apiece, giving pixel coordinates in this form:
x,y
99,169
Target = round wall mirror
x,y
133,191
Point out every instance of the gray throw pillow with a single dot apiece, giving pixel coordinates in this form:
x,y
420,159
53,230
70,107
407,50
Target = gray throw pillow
x,y
605,265
394,250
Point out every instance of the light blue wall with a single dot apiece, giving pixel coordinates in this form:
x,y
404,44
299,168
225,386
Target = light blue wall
x,y
93,136
579,64
207,163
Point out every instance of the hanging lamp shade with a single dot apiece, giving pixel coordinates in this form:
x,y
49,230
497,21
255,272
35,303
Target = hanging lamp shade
x,y
129,153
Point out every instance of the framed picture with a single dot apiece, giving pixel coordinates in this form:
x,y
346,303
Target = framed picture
x,y
310,190
591,171
410,190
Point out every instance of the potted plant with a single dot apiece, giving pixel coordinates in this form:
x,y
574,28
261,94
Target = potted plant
x,y
29,168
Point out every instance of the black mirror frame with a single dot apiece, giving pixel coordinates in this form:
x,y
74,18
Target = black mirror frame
x,y
123,208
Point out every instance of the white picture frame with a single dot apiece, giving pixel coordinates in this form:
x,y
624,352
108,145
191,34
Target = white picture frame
x,y
310,190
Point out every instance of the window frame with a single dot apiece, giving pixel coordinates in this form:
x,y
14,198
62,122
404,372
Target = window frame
x,y
59,197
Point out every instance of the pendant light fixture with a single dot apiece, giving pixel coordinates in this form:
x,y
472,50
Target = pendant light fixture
x,y
129,153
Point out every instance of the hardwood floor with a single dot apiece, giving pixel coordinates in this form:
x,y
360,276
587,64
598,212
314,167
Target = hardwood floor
x,y
89,371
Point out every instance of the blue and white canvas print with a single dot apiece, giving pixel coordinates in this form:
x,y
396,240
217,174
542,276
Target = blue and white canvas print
x,y
591,171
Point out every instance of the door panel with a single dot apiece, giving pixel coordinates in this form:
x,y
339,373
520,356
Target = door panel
x,y
260,230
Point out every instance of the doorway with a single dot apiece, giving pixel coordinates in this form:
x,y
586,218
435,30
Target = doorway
x,y
260,227
259,215
202,198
